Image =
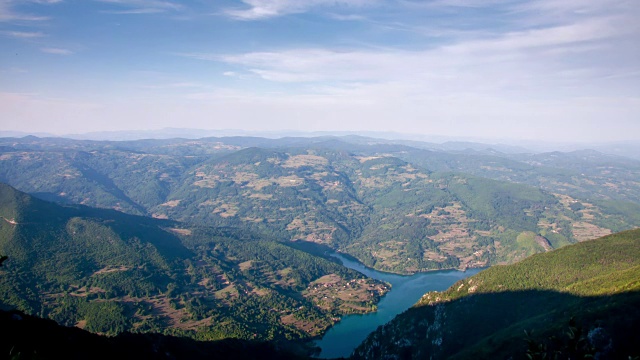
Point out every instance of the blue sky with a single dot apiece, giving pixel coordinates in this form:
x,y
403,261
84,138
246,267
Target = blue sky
x,y
554,70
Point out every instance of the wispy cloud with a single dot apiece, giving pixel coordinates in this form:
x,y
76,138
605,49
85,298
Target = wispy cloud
x,y
176,85
47,2
348,17
576,7
527,68
23,34
317,64
56,51
8,13
570,57
134,11
142,6
262,9
555,36
453,3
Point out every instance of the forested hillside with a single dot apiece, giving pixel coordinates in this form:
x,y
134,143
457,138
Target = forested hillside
x,y
394,207
109,272
580,301
229,237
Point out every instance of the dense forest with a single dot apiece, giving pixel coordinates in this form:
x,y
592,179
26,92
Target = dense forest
x,y
109,272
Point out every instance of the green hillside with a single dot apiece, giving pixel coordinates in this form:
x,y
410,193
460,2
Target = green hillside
x,y
584,174
580,300
109,272
393,207
226,238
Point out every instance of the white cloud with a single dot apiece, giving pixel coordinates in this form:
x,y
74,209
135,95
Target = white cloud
x,y
176,85
23,34
8,13
134,11
348,17
576,7
261,9
511,54
541,69
536,78
583,46
453,3
143,6
46,2
230,73
56,51
556,36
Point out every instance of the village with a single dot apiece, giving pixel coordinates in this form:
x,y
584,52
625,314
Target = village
x,y
356,296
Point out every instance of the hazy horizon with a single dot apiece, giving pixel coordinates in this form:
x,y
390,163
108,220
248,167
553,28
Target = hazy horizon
x,y
629,149
556,71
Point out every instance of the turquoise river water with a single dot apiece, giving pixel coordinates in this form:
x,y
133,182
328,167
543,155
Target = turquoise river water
x,y
345,336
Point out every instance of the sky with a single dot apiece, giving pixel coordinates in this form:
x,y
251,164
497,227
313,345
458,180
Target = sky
x,y
548,70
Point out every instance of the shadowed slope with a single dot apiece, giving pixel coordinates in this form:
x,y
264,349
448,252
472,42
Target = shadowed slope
x,y
596,283
28,337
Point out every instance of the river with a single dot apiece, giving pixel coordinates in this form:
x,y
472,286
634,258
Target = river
x,y
345,336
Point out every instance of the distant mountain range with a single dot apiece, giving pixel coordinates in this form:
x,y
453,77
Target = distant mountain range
x,y
629,149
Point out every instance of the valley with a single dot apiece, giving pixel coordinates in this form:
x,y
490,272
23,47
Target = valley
x,y
109,272
342,339
222,238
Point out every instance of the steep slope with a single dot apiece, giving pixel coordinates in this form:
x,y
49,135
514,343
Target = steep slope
x,y
110,272
591,289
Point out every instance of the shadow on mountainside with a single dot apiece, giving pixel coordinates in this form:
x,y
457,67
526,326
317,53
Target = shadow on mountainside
x,y
28,337
493,326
